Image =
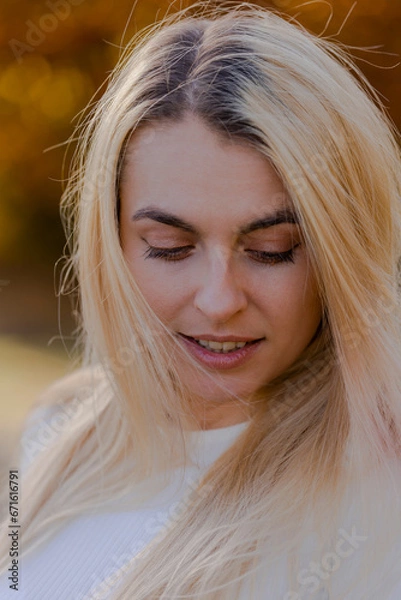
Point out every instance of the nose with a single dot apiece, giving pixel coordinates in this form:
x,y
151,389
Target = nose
x,y
220,293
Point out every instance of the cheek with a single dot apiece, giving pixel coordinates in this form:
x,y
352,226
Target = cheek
x,y
163,294
291,303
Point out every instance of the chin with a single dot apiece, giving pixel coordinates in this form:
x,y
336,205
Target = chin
x,y
219,392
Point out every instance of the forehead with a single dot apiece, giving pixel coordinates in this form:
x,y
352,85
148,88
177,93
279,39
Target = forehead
x,y
188,169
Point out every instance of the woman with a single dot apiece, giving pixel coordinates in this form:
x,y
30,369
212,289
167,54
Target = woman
x,y
236,430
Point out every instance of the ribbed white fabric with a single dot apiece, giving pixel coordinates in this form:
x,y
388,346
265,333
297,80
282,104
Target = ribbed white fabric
x,y
83,560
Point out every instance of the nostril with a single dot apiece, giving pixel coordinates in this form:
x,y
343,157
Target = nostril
x,y
219,305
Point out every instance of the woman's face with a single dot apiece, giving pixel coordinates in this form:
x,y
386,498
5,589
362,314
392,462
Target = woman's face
x,y
212,241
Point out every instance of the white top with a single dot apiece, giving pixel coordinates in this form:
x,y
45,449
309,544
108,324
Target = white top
x,y
85,557
81,562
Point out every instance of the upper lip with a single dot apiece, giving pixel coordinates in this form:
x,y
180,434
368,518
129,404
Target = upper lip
x,y
221,338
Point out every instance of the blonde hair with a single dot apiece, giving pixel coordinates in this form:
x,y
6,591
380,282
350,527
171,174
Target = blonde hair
x,y
322,452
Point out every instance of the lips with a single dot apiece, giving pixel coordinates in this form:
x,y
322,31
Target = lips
x,y
225,346
221,361
228,338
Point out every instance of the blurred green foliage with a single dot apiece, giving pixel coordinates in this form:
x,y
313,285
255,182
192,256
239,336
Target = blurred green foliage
x,y
54,57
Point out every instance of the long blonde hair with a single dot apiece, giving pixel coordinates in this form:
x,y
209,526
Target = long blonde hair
x,y
322,452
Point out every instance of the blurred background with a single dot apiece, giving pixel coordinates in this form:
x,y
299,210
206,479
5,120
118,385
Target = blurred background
x,y
54,57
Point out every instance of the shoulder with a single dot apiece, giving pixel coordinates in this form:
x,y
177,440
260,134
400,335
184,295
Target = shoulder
x,y
78,384
55,409
65,393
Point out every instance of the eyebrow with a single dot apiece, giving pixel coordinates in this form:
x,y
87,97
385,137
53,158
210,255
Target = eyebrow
x,y
280,216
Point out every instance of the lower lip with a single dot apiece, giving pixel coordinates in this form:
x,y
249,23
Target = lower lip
x,y
215,360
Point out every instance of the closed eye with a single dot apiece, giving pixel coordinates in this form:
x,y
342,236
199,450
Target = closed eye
x,y
273,258
181,252
167,253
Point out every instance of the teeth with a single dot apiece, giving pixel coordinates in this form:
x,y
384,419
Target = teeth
x,y
221,347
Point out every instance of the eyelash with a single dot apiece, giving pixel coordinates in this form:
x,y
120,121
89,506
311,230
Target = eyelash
x,y
271,258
